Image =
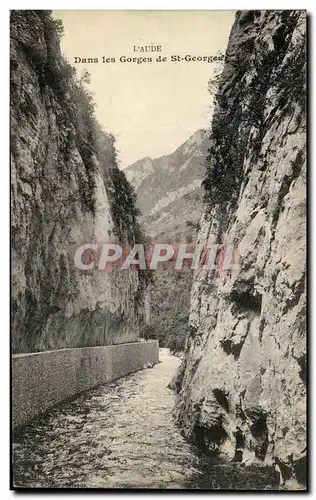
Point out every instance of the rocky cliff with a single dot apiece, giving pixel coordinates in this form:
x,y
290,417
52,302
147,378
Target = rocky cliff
x,y
66,190
242,383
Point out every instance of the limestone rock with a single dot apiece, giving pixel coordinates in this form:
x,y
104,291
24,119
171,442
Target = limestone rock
x,y
62,196
243,381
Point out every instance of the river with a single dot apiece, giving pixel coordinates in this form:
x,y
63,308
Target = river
x,y
122,435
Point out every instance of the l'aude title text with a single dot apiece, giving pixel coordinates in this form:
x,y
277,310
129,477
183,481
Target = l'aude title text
x,y
148,54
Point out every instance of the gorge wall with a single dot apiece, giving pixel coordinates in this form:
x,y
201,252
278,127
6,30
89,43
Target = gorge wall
x,y
242,383
66,190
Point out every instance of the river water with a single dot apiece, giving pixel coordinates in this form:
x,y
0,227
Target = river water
x,y
122,435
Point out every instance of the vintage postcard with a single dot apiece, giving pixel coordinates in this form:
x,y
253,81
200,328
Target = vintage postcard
x,y
158,249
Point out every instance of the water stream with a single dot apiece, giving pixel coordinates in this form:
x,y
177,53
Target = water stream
x,y
122,435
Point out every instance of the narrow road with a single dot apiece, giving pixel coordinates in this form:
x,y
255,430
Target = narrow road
x,y
121,435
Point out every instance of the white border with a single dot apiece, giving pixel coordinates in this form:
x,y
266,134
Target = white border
x,y
159,5
4,186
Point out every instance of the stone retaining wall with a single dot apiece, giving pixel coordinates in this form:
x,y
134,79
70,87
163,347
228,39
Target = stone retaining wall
x,y
43,379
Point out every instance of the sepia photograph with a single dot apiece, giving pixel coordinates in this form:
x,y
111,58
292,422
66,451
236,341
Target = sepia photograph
x,y
158,250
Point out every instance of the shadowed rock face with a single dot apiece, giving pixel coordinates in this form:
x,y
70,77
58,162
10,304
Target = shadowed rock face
x,y
242,382
63,195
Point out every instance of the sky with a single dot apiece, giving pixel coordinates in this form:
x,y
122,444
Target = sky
x,y
151,108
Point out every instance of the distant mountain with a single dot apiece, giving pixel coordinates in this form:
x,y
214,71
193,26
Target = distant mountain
x,y
169,189
169,195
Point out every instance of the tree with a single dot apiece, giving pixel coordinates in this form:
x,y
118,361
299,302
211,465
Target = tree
x,y
85,78
213,82
59,27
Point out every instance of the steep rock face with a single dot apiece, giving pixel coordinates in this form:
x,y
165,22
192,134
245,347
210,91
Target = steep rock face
x,y
242,383
64,193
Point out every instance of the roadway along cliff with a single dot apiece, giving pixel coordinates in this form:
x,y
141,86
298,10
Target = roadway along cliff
x,y
242,383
